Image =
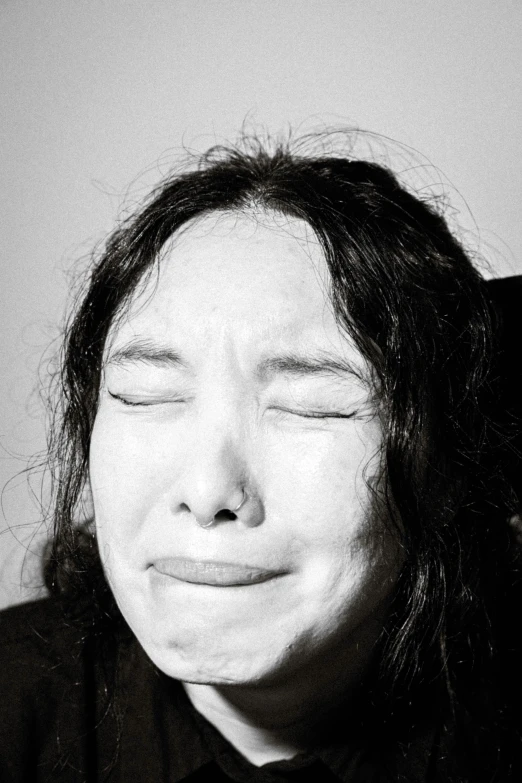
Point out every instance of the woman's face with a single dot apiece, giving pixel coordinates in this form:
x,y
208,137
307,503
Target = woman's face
x,y
229,374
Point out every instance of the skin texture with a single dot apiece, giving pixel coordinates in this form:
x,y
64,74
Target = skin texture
x,y
176,443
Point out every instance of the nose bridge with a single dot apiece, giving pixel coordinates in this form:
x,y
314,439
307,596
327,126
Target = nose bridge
x,y
222,411
217,457
216,468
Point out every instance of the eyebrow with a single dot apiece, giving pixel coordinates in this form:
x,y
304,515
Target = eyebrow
x,y
289,364
303,365
147,352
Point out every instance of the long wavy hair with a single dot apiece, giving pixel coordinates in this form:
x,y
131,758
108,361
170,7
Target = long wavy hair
x,y
406,292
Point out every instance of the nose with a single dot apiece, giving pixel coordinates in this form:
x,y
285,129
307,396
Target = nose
x,y
215,486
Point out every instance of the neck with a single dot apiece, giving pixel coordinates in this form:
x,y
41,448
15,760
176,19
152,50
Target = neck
x,y
260,742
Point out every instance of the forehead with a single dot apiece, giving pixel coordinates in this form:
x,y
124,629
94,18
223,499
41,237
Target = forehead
x,y
254,280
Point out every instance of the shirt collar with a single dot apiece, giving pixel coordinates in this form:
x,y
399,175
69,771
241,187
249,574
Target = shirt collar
x,y
349,755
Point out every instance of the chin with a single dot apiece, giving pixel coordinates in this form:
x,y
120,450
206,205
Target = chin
x,y
208,670
206,664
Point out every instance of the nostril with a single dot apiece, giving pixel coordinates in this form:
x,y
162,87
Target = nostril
x,y
224,515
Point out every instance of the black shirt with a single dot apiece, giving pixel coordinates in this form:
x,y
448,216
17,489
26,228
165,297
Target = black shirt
x,y
73,709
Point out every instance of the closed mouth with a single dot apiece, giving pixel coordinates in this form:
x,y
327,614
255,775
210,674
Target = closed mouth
x,y
214,573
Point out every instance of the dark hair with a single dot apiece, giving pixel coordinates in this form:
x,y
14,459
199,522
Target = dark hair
x,y
417,309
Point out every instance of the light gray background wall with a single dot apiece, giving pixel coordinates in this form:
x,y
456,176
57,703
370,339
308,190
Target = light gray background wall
x,y
94,93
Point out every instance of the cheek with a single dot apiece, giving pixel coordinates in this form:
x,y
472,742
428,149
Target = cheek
x,y
321,490
122,472
321,479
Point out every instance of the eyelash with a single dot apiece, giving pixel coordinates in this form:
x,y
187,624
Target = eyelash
x,y
279,410
141,404
315,415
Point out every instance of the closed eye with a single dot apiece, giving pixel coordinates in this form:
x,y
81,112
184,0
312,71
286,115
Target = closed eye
x,y
305,414
143,402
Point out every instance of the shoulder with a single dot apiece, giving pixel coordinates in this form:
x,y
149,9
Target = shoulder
x,y
506,402
505,289
506,295
42,680
17,622
44,659
38,647
35,633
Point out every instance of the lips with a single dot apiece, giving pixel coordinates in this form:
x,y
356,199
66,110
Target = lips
x,y
213,573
